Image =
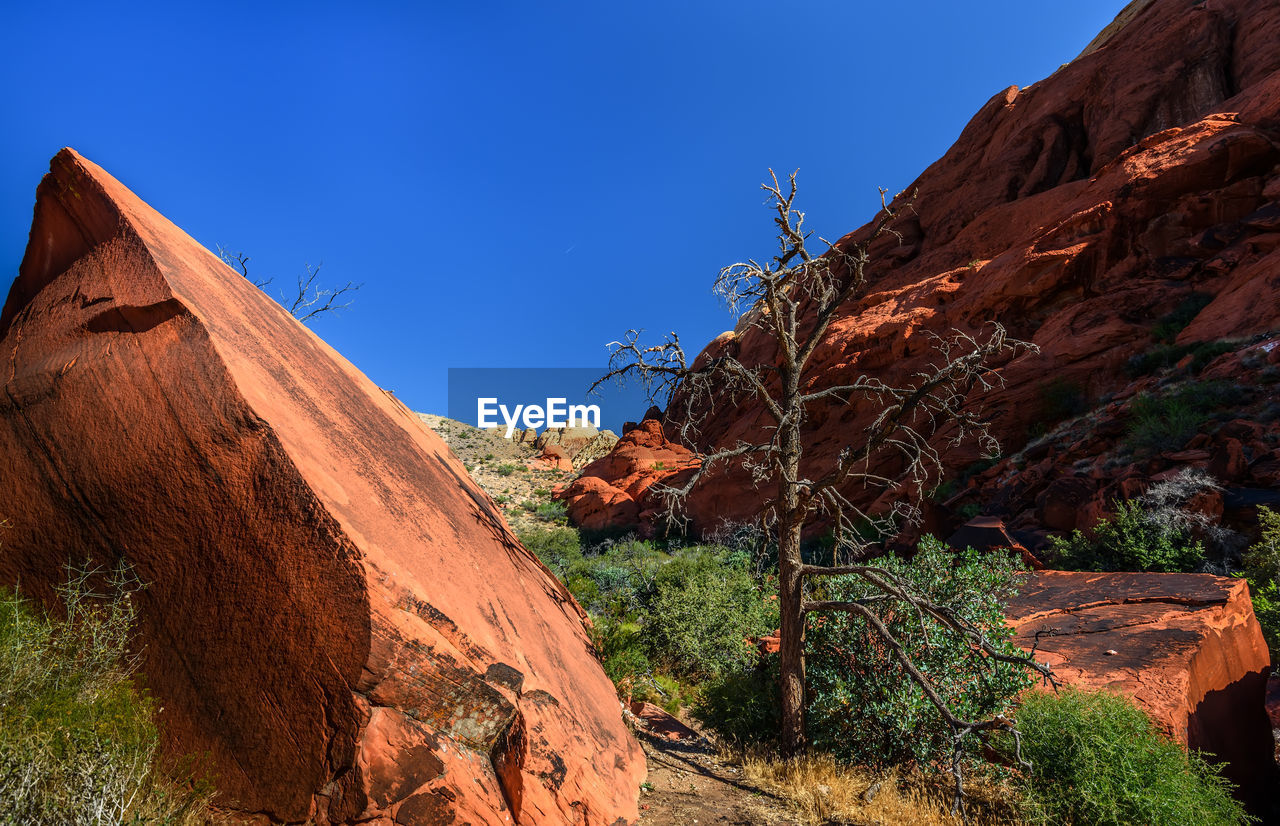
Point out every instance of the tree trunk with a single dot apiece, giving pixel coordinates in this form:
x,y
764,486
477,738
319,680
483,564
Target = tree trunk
x,y
791,648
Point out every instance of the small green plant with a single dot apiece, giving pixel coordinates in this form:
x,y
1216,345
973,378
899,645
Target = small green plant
x,y
542,492
1262,567
77,739
1165,356
1167,422
551,512
1058,399
502,499
1097,759
659,466
505,469
863,708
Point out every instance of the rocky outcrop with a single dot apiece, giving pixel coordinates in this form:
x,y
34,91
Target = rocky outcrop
x,y
640,458
1078,212
336,615
1186,647
1073,476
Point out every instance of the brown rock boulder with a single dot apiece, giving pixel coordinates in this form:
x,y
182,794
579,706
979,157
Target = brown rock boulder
x,y
336,614
1187,647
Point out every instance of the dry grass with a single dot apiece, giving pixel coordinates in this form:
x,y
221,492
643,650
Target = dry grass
x,y
822,792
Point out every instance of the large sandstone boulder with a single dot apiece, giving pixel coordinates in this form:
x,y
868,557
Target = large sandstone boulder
x,y
1187,647
336,614
1076,211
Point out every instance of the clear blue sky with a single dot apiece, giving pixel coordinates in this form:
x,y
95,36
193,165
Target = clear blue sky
x,y
516,183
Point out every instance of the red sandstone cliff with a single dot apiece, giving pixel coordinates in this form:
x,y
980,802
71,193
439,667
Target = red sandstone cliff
x,y
1076,211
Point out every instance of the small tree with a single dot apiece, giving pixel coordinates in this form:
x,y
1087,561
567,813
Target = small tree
x,y
310,300
792,301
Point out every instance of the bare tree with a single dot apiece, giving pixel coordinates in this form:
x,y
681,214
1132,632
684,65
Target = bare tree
x,y
792,301
309,300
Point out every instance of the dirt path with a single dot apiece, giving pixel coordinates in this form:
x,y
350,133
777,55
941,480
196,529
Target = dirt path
x,y
689,785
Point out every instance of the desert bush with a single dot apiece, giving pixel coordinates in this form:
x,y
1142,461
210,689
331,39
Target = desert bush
x,y
1168,326
1167,422
77,738
1262,567
558,548
741,705
863,708
1058,399
505,469
551,512
1155,532
703,620
1097,759
1166,355
1128,542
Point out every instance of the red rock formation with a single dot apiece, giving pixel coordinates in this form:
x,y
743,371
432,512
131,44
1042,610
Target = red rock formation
x,y
1187,647
1076,211
336,614
642,456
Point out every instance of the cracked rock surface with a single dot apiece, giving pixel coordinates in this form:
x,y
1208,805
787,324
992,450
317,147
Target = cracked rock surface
x,y
1187,647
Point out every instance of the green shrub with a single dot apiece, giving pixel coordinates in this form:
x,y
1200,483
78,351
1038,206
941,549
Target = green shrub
x,y
863,708
1165,356
1058,399
1131,541
558,548
77,738
1097,759
505,469
1262,566
1167,422
704,619
742,705
551,512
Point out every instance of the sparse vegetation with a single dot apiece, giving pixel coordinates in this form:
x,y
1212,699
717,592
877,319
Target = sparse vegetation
x,y
1168,421
1058,399
1098,759
506,469
78,744
1166,329
1165,356
1262,567
822,791
1152,533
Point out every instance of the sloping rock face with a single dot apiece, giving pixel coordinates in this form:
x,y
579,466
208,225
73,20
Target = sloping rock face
x,y
1077,212
336,614
1187,647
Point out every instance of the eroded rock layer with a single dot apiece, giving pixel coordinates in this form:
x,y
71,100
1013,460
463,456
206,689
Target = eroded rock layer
x,y
1076,212
335,613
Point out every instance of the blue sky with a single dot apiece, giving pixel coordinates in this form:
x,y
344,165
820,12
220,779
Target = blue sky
x,y
514,183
